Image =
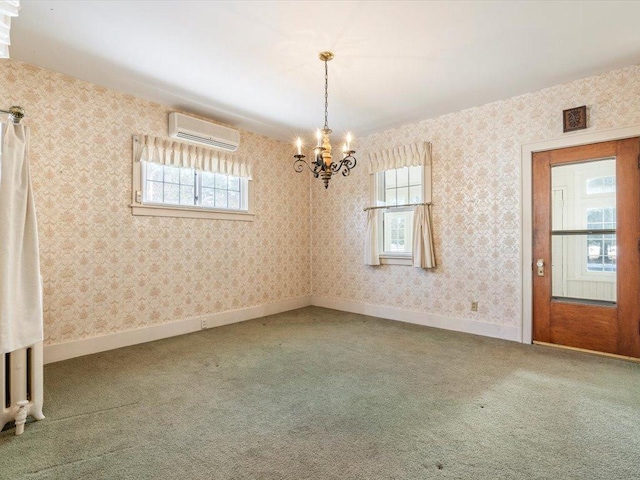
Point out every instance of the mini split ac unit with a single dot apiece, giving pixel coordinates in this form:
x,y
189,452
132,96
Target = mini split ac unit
x,y
202,132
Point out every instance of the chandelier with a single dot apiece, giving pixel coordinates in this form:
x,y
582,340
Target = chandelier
x,y
323,165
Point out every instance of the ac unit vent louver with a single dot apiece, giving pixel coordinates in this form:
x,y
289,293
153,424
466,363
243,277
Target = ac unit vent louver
x,y
202,132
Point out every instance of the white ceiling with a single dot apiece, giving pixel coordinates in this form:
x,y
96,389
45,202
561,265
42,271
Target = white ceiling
x,y
255,64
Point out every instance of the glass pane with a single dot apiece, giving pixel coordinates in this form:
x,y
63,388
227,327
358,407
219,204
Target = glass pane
x,y
402,196
208,197
415,194
584,267
390,197
186,176
187,195
594,185
609,217
221,198
234,183
609,184
154,171
390,178
403,176
601,253
594,217
221,181
234,200
601,185
415,175
153,191
558,249
208,179
171,193
171,175
584,197
574,207
398,228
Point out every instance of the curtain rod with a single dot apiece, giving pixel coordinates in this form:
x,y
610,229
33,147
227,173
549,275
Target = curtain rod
x,y
15,113
397,206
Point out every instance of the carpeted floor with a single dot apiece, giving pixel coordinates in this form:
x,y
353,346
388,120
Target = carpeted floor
x,y
321,394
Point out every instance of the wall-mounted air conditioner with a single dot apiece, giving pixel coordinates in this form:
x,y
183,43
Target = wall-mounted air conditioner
x,y
202,132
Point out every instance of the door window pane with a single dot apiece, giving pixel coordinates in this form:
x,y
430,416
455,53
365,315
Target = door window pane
x,y
584,200
584,267
574,204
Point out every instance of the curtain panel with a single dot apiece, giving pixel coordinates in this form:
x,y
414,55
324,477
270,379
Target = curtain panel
x,y
166,152
422,252
371,254
413,154
20,282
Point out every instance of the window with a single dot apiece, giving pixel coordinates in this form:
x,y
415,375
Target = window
x,y
601,249
601,185
400,182
168,185
398,189
174,179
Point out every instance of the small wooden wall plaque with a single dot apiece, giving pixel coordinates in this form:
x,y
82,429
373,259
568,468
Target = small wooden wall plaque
x,y
574,119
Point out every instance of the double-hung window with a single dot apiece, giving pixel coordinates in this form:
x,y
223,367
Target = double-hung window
x,y
184,191
398,189
400,182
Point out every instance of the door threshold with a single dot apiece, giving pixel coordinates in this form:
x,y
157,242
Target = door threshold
x,y
594,352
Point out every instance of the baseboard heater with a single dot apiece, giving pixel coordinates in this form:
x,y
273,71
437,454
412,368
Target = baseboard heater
x,y
21,389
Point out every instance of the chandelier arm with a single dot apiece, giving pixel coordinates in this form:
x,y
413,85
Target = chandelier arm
x,y
336,167
348,162
317,168
299,164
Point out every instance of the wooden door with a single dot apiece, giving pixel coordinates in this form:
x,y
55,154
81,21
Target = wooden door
x,y
586,241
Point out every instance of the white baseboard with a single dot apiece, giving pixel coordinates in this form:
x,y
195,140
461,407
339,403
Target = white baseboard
x,y
87,346
505,332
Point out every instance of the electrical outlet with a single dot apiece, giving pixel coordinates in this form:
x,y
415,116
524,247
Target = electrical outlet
x,y
474,306
203,324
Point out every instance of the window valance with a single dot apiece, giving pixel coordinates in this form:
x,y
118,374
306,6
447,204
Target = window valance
x,y
413,154
167,152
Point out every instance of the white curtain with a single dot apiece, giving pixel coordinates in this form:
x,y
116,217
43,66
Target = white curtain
x,y
423,252
371,254
20,286
413,154
167,152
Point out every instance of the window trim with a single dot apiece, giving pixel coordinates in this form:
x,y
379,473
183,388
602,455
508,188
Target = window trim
x,y
394,258
140,208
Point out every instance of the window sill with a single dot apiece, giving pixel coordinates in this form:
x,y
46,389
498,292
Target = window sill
x,y
185,212
390,259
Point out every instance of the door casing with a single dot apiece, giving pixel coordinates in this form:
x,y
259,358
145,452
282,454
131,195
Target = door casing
x,y
526,213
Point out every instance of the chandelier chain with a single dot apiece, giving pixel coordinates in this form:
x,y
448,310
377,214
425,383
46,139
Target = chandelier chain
x,y
326,96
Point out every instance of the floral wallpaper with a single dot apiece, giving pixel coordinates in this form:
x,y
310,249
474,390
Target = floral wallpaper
x,y
476,203
107,271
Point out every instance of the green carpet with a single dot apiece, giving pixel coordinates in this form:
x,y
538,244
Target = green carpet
x,y
321,394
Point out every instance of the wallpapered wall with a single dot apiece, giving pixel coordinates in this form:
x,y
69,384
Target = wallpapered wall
x,y
476,197
107,271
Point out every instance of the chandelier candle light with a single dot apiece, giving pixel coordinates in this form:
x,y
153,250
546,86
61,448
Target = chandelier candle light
x,y
323,165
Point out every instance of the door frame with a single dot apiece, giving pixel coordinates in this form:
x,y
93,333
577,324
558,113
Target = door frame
x,y
526,211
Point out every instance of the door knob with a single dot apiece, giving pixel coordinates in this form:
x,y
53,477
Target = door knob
x,y
540,265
